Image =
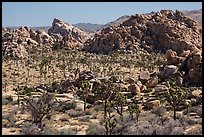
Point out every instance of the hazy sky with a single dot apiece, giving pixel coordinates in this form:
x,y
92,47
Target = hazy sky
x,y
43,13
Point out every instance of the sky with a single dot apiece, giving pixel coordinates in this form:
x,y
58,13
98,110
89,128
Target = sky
x,y
35,14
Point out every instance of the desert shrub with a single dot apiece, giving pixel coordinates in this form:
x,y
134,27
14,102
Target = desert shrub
x,y
89,112
85,118
64,106
74,113
159,111
7,99
95,129
30,129
150,124
171,127
48,130
39,107
194,131
69,131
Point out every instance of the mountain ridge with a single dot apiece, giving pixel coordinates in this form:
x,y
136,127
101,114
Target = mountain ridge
x,y
94,27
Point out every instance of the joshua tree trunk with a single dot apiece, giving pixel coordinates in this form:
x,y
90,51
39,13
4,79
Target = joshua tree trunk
x,y
27,76
41,77
105,109
137,117
85,103
65,73
53,76
131,114
17,67
174,113
18,98
5,86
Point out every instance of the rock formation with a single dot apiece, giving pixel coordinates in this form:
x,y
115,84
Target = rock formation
x,y
187,69
60,35
71,36
156,32
14,50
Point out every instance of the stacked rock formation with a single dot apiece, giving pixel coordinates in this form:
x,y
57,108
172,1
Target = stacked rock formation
x,y
60,35
185,67
16,42
156,32
70,35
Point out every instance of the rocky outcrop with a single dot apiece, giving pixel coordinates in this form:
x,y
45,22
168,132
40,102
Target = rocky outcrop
x,y
60,35
155,32
16,42
187,69
71,36
14,51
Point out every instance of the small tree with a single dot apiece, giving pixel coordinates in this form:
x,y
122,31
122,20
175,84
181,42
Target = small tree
x,y
110,123
5,84
76,71
17,90
63,66
118,102
134,108
175,96
105,91
28,64
39,108
86,86
23,91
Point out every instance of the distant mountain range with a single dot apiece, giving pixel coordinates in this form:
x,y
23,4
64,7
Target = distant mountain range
x,y
194,14
89,27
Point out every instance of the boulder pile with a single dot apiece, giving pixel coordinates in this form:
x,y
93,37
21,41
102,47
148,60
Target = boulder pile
x,y
60,35
14,51
185,67
155,32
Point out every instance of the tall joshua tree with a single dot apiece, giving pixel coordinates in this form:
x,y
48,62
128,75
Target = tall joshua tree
x,y
86,88
175,96
105,91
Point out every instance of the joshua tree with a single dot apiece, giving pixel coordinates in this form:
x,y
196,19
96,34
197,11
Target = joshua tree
x,y
43,67
23,91
134,108
175,96
86,86
53,72
84,61
76,72
17,90
41,73
105,91
63,66
110,123
113,100
28,63
118,102
5,82
39,108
